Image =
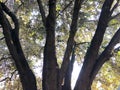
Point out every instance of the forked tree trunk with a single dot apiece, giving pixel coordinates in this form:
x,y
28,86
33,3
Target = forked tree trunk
x,y
12,40
85,77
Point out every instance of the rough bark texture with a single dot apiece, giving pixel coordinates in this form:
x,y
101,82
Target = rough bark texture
x,y
12,40
50,67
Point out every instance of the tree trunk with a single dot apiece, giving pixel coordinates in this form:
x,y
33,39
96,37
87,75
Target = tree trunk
x,y
50,66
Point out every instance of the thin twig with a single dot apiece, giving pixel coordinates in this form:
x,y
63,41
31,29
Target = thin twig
x,y
113,17
9,77
15,11
112,10
64,8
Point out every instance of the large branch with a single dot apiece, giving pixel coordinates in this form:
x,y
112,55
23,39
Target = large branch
x,y
13,17
13,43
92,52
42,12
106,54
15,35
68,75
70,42
6,31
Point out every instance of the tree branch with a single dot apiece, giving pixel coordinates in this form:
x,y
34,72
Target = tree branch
x,y
115,16
70,42
8,38
92,52
106,54
65,8
15,36
2,38
9,77
4,79
77,44
42,12
112,10
16,10
68,75
13,17
115,6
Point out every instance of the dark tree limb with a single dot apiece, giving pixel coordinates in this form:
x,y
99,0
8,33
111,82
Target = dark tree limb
x,y
92,52
115,6
2,38
12,40
70,42
7,34
115,16
42,12
15,35
68,75
112,10
106,54
13,17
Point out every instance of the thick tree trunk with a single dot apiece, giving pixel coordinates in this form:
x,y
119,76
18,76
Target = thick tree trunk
x,y
12,40
50,66
28,80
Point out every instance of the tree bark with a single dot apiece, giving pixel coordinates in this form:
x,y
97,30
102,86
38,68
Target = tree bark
x,y
92,52
12,40
70,42
68,76
50,66
105,55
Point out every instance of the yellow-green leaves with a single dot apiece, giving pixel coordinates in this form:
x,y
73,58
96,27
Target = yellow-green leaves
x,y
58,7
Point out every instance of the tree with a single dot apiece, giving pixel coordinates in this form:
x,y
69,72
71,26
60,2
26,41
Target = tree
x,y
58,76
